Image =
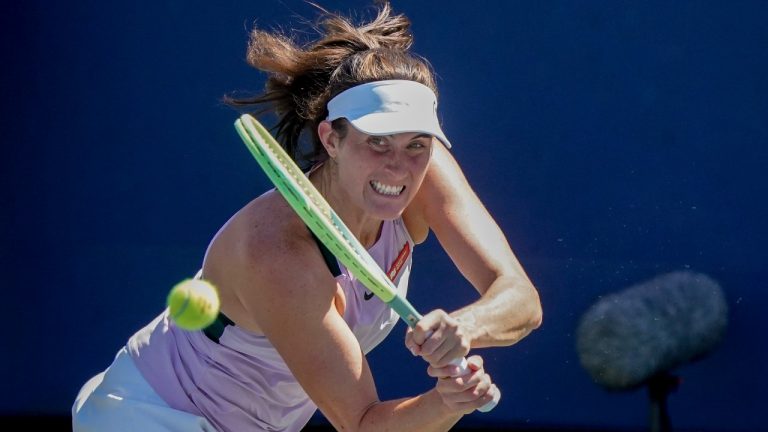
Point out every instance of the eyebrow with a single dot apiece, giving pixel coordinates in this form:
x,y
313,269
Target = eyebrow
x,y
421,135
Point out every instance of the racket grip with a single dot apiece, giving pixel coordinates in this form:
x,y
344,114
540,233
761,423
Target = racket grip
x,y
463,370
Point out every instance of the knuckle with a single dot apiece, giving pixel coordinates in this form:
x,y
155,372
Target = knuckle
x,y
487,397
487,385
421,327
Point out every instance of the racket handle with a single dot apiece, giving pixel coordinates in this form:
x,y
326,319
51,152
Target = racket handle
x,y
463,370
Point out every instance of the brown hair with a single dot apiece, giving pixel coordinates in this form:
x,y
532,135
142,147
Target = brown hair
x,y
303,79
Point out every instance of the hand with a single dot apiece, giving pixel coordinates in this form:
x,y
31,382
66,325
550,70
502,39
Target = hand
x,y
438,338
465,393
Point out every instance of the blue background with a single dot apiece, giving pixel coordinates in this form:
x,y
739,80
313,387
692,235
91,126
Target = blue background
x,y
612,141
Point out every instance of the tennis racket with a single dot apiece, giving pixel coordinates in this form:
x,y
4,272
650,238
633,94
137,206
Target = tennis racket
x,y
318,215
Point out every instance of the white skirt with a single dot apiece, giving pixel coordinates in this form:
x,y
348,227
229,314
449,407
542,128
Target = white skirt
x,y
120,399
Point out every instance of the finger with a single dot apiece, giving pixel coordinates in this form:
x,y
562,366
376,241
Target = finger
x,y
445,344
448,371
412,346
493,394
470,406
450,354
441,343
472,379
459,383
475,362
474,392
435,349
427,325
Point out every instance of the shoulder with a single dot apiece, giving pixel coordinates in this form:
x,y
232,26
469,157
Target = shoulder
x,y
263,228
263,261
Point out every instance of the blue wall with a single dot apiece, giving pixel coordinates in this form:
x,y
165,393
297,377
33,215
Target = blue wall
x,y
613,141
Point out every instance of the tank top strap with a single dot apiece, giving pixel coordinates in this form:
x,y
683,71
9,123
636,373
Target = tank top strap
x,y
328,257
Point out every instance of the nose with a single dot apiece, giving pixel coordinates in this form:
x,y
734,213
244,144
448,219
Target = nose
x,y
396,162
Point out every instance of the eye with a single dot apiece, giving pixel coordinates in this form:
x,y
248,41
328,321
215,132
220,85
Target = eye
x,y
419,144
377,142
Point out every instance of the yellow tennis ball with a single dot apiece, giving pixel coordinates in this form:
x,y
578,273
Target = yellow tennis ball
x,y
193,304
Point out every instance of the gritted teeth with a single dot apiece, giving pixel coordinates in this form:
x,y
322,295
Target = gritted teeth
x,y
386,189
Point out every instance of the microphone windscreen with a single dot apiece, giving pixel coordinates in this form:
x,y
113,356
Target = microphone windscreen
x,y
627,337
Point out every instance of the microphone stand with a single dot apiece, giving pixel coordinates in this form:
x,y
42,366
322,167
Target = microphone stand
x,y
659,387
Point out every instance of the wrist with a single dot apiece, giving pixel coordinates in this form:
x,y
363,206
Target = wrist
x,y
471,328
435,400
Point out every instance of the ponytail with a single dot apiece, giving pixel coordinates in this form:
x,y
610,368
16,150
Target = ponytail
x,y
302,80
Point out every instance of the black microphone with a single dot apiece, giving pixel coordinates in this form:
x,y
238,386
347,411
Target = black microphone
x,y
645,331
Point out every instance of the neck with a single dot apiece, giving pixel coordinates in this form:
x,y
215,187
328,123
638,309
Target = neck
x,y
364,227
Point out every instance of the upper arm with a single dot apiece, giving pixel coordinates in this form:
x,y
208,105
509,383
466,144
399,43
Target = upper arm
x,y
450,208
294,308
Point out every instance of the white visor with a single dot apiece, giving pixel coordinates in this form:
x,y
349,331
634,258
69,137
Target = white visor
x,y
389,107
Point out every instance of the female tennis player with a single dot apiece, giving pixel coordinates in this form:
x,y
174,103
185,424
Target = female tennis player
x,y
295,326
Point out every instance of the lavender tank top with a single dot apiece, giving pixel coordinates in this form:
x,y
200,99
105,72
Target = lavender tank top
x,y
241,383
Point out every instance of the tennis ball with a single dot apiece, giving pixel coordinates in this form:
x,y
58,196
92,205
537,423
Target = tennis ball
x,y
193,304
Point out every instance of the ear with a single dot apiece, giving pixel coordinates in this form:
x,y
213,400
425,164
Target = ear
x,y
328,137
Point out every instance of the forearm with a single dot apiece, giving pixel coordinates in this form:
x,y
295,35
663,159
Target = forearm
x,y
425,412
507,312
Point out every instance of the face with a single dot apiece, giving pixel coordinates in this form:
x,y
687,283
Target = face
x,y
380,174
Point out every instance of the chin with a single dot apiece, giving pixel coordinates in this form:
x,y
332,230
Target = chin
x,y
387,211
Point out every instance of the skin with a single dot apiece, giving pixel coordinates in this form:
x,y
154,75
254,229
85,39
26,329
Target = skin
x,y
301,312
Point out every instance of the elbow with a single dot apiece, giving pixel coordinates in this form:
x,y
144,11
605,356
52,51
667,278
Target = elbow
x,y
536,319
535,314
525,313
